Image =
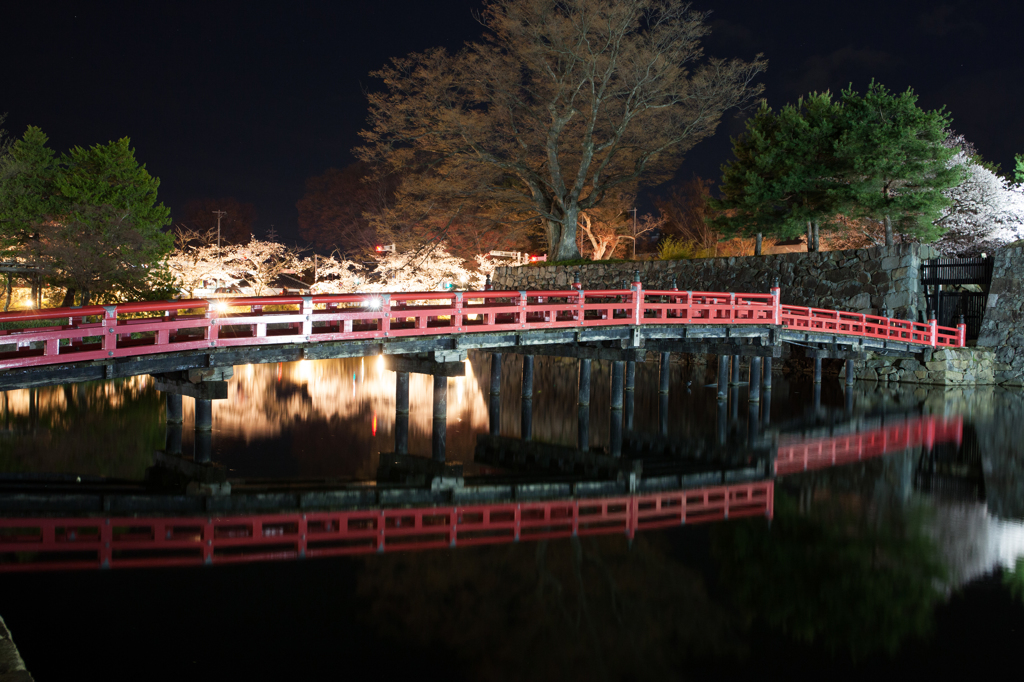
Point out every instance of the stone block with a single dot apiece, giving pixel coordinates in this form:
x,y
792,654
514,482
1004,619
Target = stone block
x,y
890,263
860,301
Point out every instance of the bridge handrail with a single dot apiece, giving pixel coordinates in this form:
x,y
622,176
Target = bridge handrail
x,y
140,328
796,454
137,541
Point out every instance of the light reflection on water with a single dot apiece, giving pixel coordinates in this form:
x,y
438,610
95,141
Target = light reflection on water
x,y
872,520
334,418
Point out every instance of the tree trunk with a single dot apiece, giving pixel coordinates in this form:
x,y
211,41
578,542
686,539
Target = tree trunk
x,y
814,229
757,244
69,298
86,297
888,231
810,236
7,302
565,246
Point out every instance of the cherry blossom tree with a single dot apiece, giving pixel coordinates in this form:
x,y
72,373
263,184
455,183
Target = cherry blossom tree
x,y
986,210
196,261
425,269
261,262
335,275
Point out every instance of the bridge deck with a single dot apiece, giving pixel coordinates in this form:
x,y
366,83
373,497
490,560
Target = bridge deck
x,y
98,342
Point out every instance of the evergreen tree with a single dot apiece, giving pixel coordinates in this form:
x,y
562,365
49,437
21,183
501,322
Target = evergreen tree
x,y
90,219
877,156
27,192
785,174
1019,168
893,157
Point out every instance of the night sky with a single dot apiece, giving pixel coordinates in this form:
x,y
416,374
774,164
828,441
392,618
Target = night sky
x,y
249,99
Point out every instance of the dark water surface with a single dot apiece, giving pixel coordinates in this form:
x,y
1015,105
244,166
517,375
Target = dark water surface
x,y
907,563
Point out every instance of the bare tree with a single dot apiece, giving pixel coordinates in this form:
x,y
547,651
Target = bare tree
x,y
563,103
603,232
685,212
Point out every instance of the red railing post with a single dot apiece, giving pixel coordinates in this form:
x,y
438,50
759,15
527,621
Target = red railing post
x,y
457,316
776,303
307,315
638,299
109,325
933,332
522,308
212,331
961,334
385,314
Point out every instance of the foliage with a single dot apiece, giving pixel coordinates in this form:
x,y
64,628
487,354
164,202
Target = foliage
x,y
876,156
1019,168
27,192
785,173
5,139
893,156
334,275
678,248
197,260
985,209
236,224
90,219
685,213
260,262
605,232
425,269
333,210
564,103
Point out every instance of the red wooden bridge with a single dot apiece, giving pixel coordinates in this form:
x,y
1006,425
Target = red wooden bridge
x,y
64,543
130,330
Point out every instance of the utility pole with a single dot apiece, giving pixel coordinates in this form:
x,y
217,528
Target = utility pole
x,y
219,214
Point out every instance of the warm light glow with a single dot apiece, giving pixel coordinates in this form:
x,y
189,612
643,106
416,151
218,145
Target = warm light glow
x,y
219,306
373,427
380,363
373,303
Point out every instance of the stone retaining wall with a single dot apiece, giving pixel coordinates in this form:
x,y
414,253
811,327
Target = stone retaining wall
x,y
858,280
945,367
1003,327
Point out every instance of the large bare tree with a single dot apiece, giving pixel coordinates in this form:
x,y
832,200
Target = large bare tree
x,y
564,103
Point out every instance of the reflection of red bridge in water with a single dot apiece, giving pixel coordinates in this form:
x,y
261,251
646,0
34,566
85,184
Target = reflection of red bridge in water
x,y
78,543
796,455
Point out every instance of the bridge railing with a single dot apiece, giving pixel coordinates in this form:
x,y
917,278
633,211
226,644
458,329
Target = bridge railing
x,y
799,455
872,326
43,337
672,306
33,544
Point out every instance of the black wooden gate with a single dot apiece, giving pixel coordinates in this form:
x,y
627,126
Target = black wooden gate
x,y
944,281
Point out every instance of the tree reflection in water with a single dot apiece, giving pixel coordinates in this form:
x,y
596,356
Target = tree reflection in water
x,y
93,429
841,571
559,609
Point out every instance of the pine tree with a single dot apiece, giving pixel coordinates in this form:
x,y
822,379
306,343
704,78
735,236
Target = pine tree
x,y
893,157
90,219
27,190
877,156
785,174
